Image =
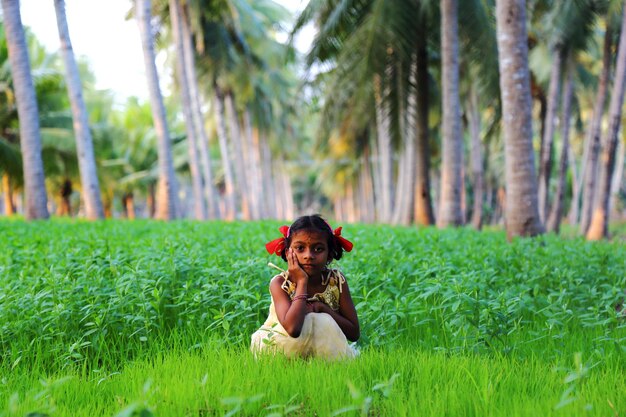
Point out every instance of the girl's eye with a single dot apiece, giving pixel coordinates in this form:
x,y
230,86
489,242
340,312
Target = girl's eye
x,y
320,249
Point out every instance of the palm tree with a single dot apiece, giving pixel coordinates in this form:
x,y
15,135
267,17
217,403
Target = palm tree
x,y
167,194
592,145
182,74
522,214
545,156
554,220
196,113
84,144
598,227
450,213
30,139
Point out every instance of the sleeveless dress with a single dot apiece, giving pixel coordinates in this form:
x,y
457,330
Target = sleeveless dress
x,y
321,336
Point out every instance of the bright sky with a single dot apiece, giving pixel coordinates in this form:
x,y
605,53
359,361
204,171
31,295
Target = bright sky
x,y
100,32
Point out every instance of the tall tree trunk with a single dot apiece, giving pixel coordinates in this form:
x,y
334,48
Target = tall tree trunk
x,y
9,206
28,113
554,221
406,173
167,187
476,158
240,168
150,200
210,190
252,166
590,163
423,209
128,202
574,209
616,182
269,192
199,206
84,143
366,190
385,152
522,213
599,226
450,213
545,156
229,182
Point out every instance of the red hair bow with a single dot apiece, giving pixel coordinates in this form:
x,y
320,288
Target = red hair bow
x,y
345,243
277,246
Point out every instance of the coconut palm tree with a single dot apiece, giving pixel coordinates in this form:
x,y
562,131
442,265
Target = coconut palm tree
x,y
522,213
30,139
592,145
450,213
189,51
167,194
554,220
598,227
84,143
182,75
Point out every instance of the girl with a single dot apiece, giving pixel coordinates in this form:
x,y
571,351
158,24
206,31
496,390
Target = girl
x,y
312,313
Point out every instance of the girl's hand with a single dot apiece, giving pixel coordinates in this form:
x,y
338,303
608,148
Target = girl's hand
x,y
319,307
296,273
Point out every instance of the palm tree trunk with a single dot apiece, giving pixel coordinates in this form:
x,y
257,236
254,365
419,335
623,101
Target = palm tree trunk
x,y
167,187
269,191
405,196
574,209
210,190
84,143
545,156
590,163
476,158
28,113
366,190
423,209
9,206
150,200
449,213
616,182
128,202
376,177
554,222
252,166
384,151
599,227
229,184
236,141
199,206
522,213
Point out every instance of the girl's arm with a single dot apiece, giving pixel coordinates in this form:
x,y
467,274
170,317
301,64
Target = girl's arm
x,y
291,313
346,316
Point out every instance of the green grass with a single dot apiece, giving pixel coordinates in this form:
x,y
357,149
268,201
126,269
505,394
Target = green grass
x,y
124,318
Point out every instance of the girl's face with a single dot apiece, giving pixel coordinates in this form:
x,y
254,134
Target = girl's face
x,y
311,248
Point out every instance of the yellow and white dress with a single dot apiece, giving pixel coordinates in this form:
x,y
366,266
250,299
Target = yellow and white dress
x,y
321,336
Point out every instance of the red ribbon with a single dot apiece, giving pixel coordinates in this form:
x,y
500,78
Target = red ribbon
x,y
345,243
277,246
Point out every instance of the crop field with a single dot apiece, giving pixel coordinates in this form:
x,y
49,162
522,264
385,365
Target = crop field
x,y
153,319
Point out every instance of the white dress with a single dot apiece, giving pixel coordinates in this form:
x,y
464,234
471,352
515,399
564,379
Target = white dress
x,y
320,337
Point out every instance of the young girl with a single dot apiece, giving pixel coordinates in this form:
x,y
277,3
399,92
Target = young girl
x,y
312,313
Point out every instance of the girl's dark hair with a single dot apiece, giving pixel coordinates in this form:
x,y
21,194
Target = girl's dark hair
x,y
315,222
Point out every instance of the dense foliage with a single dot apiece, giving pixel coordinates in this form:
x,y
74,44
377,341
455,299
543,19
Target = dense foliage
x,y
97,294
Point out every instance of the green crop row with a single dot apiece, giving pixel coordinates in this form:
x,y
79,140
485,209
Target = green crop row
x,y
87,293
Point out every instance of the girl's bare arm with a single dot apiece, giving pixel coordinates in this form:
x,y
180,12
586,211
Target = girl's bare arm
x,y
291,313
346,316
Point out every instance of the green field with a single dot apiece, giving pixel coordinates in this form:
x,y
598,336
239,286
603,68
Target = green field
x,y
146,319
